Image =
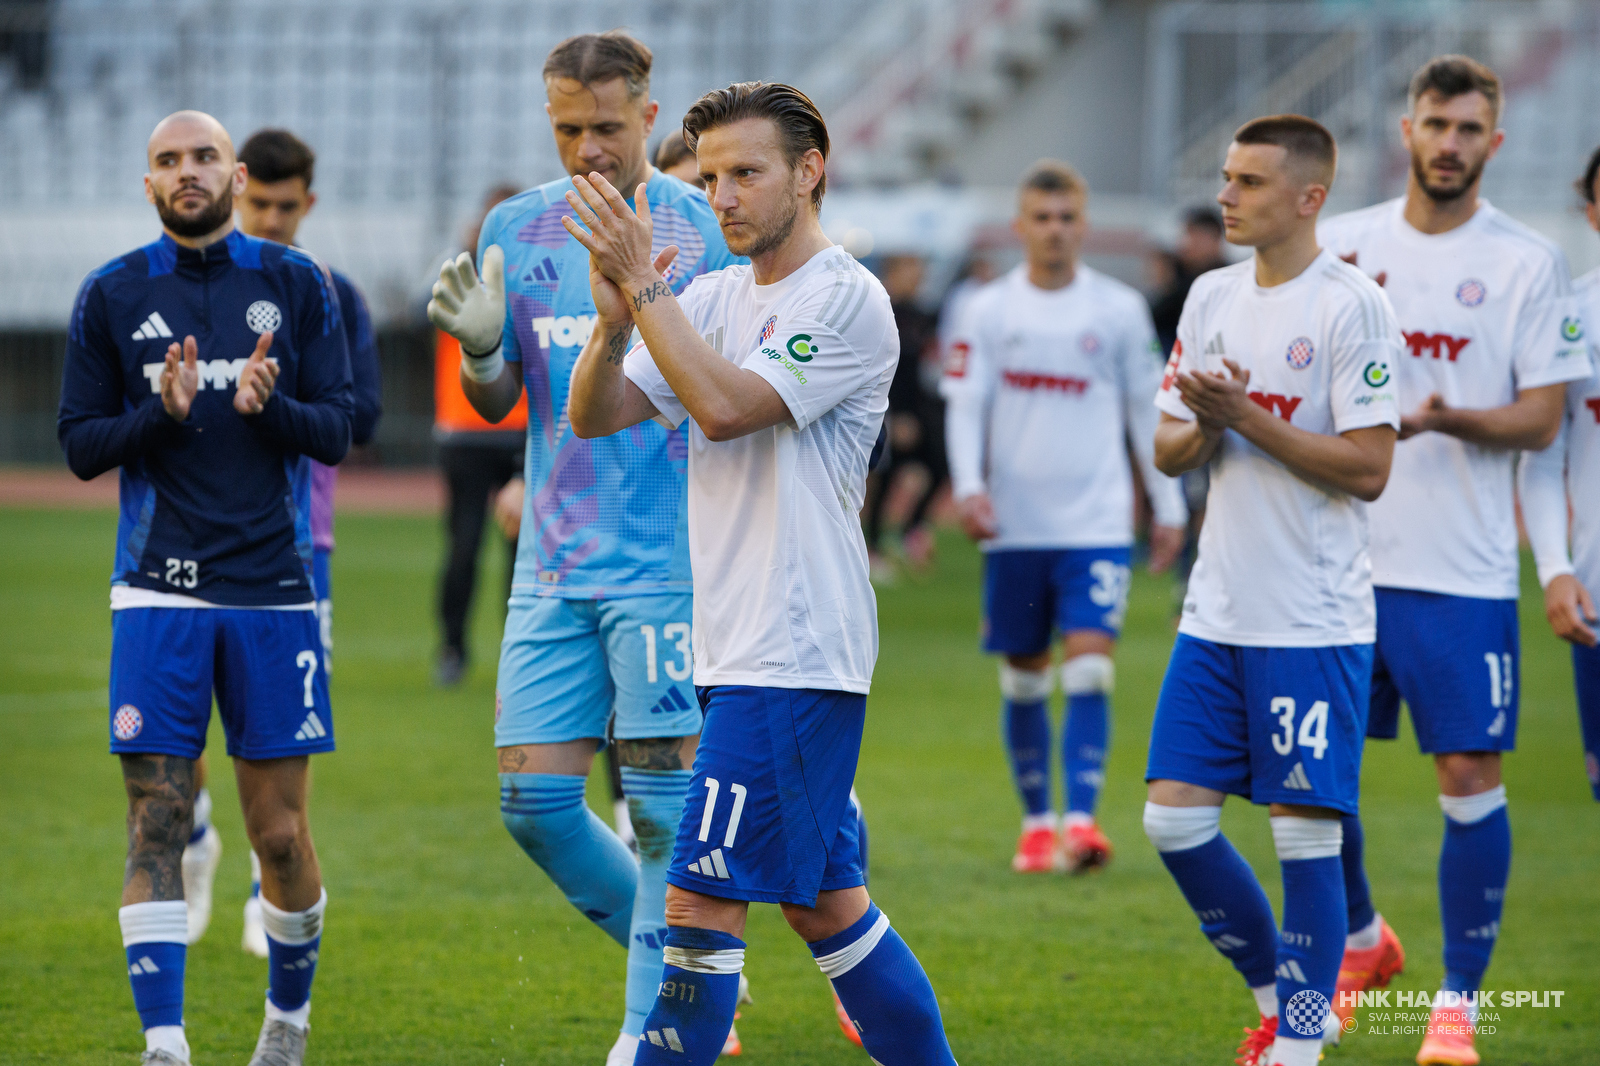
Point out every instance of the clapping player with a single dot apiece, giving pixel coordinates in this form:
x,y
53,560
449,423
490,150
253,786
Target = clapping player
x,y
781,370
212,368
1281,382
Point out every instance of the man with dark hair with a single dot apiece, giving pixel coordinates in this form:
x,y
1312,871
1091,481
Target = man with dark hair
x,y
277,197
1492,340
673,157
599,625
1280,382
1051,376
212,592
1560,481
1199,250
781,370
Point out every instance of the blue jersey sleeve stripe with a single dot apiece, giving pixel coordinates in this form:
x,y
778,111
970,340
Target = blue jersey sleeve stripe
x,y
330,304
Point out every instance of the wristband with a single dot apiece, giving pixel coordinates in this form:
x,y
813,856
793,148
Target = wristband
x,y
483,368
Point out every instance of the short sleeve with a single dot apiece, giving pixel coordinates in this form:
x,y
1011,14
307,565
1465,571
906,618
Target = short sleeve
x,y
1550,332
640,368
1185,358
968,367
1366,350
826,347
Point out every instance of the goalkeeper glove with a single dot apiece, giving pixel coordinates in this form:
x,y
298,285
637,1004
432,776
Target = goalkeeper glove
x,y
473,313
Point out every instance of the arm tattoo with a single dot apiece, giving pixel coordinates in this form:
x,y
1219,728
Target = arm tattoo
x,y
617,345
161,793
649,296
655,753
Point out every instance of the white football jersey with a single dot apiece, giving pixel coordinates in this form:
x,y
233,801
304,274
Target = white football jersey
x,y
1486,311
1569,471
781,593
1283,562
1045,389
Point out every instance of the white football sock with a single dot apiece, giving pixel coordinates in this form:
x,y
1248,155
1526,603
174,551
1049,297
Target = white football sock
x,y
1286,1052
168,1038
1368,938
1266,1000
1047,820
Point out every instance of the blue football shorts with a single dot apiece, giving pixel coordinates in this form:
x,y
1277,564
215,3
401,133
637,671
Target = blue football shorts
x,y
1029,594
568,666
264,666
769,816
1586,676
322,589
1455,661
1275,725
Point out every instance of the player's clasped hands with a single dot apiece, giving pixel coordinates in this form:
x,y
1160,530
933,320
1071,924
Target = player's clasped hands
x,y
1218,401
618,241
180,379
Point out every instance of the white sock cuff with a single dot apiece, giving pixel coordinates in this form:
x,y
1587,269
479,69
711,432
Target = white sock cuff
x,y
704,960
1088,673
294,927
1180,828
1306,838
162,922
1027,685
202,808
300,1017
841,962
168,1038
1465,810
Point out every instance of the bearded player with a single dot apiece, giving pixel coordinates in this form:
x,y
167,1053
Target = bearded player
x,y
599,625
1050,376
781,370
1482,300
211,593
1561,481
1280,383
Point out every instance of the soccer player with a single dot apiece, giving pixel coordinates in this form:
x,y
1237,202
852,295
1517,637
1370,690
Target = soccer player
x,y
277,197
1052,371
1481,300
599,624
1549,482
1549,493
782,369
673,157
212,590
1280,381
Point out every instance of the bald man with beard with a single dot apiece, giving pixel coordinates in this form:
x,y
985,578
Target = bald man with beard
x,y
211,367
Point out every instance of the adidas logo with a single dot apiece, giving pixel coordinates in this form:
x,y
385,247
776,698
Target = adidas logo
x,y
1298,780
1497,726
654,941
1291,970
304,962
1485,932
152,327
711,866
1214,346
1229,942
145,965
312,728
667,1038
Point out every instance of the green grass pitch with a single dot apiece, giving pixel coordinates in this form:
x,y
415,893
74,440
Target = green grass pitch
x,y
445,944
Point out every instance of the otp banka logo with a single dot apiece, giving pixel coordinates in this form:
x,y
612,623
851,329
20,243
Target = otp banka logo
x,y
564,331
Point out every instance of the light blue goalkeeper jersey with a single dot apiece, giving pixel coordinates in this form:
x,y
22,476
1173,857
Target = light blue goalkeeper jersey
x,y
604,517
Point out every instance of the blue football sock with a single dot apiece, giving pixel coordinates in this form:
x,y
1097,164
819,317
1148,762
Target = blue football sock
x,y
1314,926
293,940
694,1006
155,936
1474,865
1026,725
887,994
1357,893
1219,886
546,814
1586,678
1083,745
655,806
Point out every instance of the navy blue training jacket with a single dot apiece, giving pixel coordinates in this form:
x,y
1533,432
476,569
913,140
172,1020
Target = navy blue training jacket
x,y
218,506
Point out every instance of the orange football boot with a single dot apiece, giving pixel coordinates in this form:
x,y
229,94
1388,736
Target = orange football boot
x,y
1256,1048
1368,968
1039,852
1087,848
1449,1039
